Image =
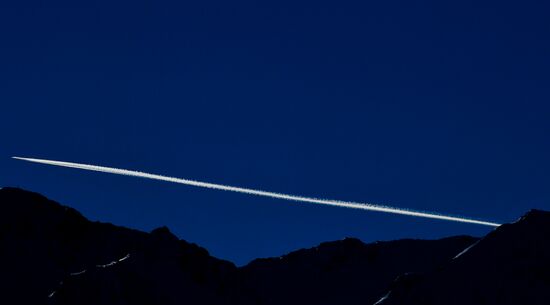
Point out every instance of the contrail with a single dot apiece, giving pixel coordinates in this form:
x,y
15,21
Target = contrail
x,y
344,204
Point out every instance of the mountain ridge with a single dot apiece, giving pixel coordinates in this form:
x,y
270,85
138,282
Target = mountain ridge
x,y
52,255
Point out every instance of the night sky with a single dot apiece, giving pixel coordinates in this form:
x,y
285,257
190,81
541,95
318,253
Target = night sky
x,y
431,105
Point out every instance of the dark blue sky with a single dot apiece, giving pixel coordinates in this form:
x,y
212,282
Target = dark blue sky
x,y
440,106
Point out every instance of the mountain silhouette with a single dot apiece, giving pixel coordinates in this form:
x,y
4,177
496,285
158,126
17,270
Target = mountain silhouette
x,y
51,254
511,265
346,271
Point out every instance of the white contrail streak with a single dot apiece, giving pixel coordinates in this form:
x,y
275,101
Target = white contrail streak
x,y
345,204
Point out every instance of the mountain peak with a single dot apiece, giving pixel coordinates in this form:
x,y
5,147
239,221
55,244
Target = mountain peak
x,y
164,233
535,216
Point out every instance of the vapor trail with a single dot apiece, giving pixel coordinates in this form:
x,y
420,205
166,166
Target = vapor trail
x,y
344,204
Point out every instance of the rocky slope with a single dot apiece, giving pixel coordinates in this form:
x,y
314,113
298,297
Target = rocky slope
x,y
46,249
50,254
511,265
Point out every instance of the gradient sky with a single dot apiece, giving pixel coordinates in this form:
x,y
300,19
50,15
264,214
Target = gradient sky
x,y
434,105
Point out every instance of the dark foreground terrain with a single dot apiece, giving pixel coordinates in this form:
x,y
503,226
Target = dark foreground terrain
x,y
51,254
